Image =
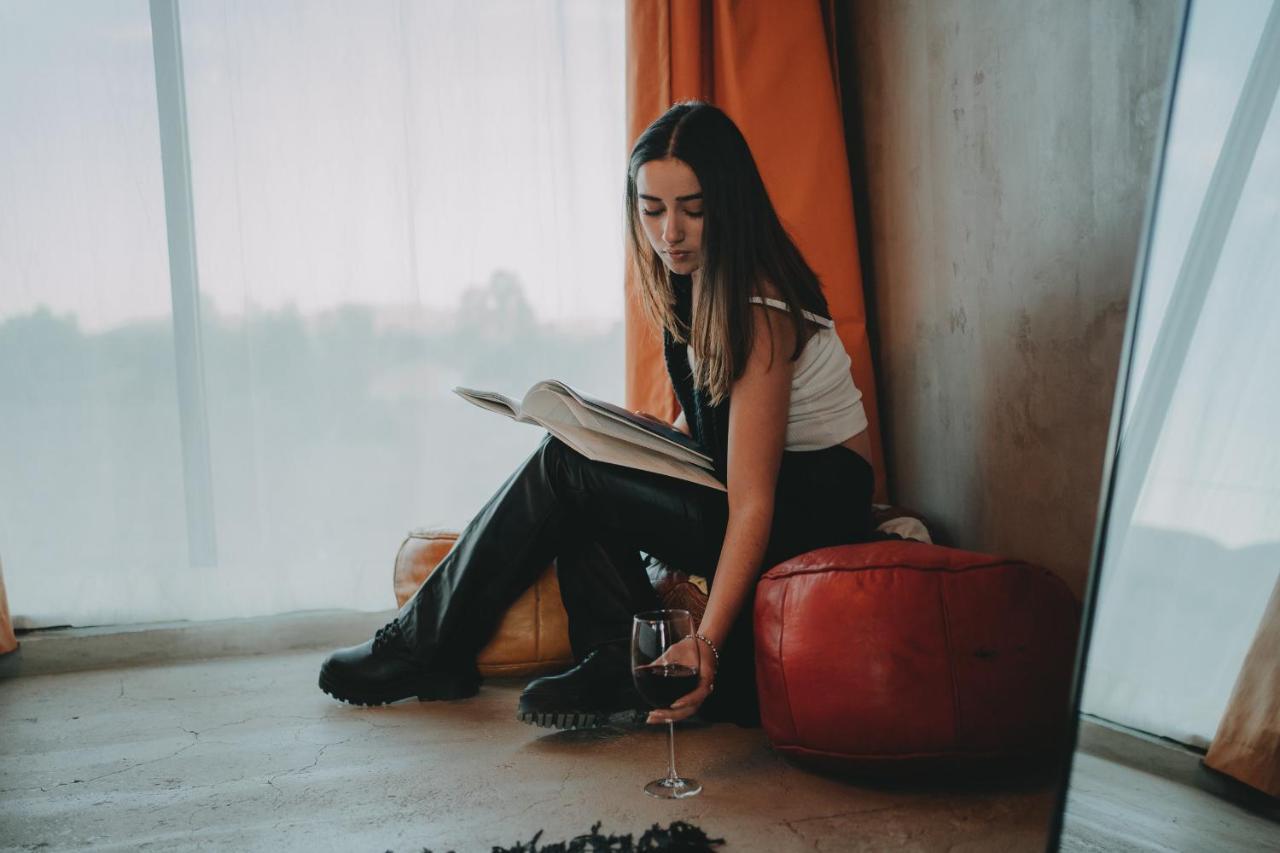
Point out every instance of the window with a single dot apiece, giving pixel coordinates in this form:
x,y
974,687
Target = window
x,y
387,200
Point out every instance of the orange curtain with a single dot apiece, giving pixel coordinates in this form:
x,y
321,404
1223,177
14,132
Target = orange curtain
x,y
1247,743
771,67
8,642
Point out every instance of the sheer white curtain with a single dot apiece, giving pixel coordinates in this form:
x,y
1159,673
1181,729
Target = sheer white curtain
x,y
389,199
1193,545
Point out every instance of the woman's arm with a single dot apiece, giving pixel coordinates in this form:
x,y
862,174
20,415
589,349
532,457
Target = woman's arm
x,y
757,433
681,423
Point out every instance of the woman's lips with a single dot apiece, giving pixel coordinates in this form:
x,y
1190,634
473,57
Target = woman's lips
x,y
679,256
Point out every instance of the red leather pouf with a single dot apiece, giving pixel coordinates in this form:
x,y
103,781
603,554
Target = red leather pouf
x,y
903,654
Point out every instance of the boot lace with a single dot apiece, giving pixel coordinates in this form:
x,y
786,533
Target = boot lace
x,y
389,633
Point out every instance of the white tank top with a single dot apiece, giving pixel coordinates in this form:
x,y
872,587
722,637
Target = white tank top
x,y
826,407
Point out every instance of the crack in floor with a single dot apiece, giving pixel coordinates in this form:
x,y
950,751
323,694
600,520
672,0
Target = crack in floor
x,y
559,794
194,740
844,813
297,770
811,843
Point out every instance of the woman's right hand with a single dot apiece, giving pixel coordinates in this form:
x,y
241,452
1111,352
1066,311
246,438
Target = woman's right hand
x,y
699,655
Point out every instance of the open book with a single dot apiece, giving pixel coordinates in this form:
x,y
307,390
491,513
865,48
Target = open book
x,y
603,432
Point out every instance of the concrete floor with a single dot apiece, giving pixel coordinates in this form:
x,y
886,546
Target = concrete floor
x,y
213,735
245,753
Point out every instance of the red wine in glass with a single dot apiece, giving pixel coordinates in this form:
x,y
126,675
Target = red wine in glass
x,y
662,684
664,666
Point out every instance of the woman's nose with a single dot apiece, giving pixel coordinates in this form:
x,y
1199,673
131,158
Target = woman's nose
x,y
670,231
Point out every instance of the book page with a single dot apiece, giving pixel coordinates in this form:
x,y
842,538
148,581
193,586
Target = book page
x,y
599,435
494,402
663,432
555,400
605,448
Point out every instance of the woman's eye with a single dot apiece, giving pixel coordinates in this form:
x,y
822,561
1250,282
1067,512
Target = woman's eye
x,y
696,214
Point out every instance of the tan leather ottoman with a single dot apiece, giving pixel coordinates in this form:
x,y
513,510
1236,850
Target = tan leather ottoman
x,y
533,636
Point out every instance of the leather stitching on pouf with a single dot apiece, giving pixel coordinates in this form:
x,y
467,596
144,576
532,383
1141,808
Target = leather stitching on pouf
x,y
896,629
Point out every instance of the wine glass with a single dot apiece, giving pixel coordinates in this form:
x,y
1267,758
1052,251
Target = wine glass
x,y
664,665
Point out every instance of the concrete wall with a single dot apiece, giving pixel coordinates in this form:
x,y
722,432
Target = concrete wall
x,y
1008,155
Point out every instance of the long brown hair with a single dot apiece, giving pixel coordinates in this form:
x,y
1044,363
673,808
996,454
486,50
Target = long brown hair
x,y
743,245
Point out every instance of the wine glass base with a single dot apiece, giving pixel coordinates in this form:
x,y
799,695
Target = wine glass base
x,y
673,789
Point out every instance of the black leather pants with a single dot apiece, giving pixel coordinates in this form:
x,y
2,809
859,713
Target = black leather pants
x,y
594,518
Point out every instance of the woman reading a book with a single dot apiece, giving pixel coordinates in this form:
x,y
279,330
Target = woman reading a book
x,y
763,385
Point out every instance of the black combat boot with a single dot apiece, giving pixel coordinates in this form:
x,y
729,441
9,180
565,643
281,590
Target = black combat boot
x,y
597,691
384,670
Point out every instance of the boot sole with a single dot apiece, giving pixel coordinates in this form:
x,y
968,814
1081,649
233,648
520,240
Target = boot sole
x,y
580,719
425,692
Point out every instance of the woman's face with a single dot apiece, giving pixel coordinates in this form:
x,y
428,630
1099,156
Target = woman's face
x,y
670,200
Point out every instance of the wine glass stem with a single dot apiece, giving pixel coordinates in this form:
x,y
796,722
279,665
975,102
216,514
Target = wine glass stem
x,y
671,748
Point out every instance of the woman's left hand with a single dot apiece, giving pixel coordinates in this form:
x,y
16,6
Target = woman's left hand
x,y
651,417
687,705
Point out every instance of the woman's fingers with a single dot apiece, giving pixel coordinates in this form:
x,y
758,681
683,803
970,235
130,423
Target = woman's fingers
x,y
682,652
649,416
686,706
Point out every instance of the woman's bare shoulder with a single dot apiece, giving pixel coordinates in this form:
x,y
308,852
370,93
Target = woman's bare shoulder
x,y
777,332
769,290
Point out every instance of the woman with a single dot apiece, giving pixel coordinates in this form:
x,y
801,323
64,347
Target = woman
x,y
744,321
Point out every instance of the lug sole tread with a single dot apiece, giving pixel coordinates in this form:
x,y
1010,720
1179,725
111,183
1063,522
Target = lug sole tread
x,y
578,719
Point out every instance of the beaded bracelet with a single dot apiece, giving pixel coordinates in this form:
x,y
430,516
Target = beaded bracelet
x,y
715,653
